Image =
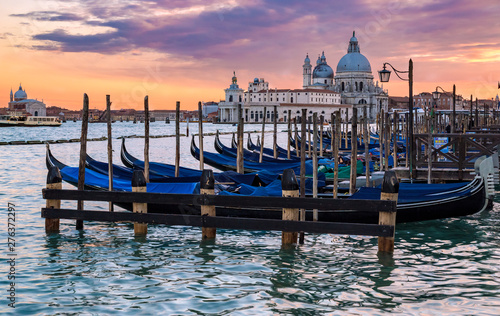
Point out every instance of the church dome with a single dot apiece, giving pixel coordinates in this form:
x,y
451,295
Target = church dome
x,y
353,61
20,94
322,70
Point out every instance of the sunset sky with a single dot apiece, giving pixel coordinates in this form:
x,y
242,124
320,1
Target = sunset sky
x,y
187,50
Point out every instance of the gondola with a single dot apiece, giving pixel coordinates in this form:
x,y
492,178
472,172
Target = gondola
x,y
282,152
248,155
223,162
160,172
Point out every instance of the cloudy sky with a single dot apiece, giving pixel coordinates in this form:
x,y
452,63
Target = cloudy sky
x,y
187,50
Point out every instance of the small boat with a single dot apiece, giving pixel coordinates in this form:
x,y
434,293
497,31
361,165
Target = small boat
x,y
29,121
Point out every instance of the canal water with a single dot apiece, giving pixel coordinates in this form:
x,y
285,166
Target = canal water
x,y
441,267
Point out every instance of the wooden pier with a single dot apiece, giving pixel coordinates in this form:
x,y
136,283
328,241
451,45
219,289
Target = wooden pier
x,y
289,205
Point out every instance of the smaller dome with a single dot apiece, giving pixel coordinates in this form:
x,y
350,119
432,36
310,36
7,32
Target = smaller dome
x,y
323,71
307,60
20,94
256,80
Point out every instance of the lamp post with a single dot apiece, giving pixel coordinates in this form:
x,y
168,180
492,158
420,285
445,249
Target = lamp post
x,y
436,94
384,77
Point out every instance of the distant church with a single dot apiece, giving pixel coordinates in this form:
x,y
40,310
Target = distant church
x,y
20,104
322,91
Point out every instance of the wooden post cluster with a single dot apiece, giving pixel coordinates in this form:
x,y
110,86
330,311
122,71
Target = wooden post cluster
x,y
390,190
290,188
139,184
207,187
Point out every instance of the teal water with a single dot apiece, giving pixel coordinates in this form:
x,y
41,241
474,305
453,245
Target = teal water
x,y
442,267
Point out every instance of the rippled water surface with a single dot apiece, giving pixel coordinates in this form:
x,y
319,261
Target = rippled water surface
x,y
442,267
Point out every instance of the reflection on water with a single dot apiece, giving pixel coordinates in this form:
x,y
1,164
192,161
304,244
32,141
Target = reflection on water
x,y
441,267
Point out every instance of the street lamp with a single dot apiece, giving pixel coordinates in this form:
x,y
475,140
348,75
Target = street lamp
x,y
384,77
436,94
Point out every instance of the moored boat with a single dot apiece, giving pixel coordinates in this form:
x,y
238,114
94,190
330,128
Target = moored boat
x,y
29,121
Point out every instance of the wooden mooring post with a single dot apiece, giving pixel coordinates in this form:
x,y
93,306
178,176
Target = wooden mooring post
x,y
354,150
139,184
303,167
262,135
275,132
290,188
177,137
146,138
390,190
207,188
54,181
110,149
83,154
200,135
240,159
289,134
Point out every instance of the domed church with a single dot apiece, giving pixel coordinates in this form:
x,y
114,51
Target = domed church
x,y
354,79
20,104
323,91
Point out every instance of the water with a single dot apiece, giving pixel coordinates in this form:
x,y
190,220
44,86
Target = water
x,y
442,267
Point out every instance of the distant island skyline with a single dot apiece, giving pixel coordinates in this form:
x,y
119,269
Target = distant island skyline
x,y
188,51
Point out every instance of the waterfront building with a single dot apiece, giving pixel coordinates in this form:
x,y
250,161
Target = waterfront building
x,y
20,104
322,91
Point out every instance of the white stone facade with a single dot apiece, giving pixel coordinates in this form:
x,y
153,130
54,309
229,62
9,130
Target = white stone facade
x,y
322,91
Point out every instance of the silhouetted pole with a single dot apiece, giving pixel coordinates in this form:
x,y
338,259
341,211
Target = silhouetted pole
x,y
303,168
177,137
367,152
83,155
338,119
275,132
354,149
139,184
321,121
262,135
453,118
200,134
315,162
207,187
146,138
390,190
289,133
290,189
54,181
110,150
240,160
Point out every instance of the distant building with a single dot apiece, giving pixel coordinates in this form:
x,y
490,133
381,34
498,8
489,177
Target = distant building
x,y
209,107
399,103
20,104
